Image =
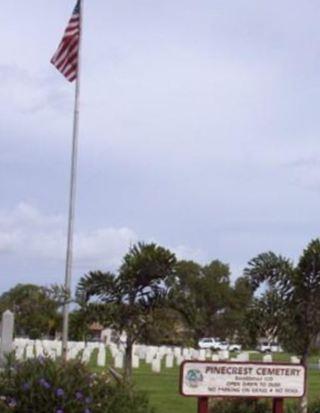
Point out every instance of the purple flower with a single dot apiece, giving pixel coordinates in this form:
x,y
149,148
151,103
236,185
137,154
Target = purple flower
x,y
86,410
59,392
59,411
26,386
11,402
79,395
44,384
88,400
41,360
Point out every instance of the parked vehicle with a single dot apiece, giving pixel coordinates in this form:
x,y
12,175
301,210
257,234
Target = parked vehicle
x,y
222,345
264,347
207,343
275,347
213,344
269,347
235,347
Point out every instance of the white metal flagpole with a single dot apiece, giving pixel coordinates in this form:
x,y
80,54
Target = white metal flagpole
x,y
72,198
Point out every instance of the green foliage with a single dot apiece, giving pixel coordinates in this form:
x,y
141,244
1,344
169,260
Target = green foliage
x,y
209,304
36,312
315,407
289,306
168,328
123,399
200,294
128,301
241,406
79,322
43,386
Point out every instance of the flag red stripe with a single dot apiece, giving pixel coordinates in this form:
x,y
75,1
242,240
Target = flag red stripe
x,y
65,58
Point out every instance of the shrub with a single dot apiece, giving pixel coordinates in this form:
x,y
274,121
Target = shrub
x,y
241,406
47,386
314,406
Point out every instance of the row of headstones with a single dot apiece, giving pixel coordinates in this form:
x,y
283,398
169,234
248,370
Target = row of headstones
x,y
171,356
153,355
27,349
267,358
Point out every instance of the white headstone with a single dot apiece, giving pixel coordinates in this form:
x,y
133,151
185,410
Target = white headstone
x,y
243,356
29,351
224,354
19,353
86,355
118,361
101,359
177,351
295,360
58,346
149,356
267,358
186,353
142,352
156,365
169,361
7,326
135,362
179,359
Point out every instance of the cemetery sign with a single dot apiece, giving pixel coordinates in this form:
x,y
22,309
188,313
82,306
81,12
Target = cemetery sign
x,y
233,379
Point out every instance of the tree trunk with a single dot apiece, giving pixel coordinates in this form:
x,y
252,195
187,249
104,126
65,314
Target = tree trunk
x,y
304,399
128,360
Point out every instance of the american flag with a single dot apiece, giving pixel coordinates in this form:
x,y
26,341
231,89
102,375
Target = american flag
x,y
65,58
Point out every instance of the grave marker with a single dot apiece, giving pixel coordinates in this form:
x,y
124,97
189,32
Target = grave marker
x,y
7,326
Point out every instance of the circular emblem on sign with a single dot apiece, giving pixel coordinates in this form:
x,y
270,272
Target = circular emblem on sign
x,y
194,378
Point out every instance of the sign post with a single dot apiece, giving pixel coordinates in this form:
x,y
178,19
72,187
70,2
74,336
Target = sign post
x,y
277,406
278,381
203,403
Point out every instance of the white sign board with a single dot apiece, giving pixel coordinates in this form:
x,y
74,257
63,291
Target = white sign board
x,y
219,379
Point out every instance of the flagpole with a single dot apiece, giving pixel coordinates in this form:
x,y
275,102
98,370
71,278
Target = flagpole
x,y
72,200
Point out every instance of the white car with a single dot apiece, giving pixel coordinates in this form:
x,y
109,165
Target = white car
x,y
212,343
207,342
264,347
275,347
235,347
222,345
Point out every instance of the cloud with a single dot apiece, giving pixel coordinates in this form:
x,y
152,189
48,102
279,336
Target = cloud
x,y
190,115
183,252
304,172
27,232
28,93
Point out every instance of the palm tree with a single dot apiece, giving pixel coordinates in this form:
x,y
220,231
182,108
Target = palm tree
x,y
289,304
126,301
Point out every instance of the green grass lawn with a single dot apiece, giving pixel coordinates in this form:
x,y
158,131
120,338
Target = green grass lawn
x,y
163,388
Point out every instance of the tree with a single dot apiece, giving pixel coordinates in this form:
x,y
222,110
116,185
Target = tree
x,y
79,323
240,299
128,301
36,313
289,305
168,328
202,295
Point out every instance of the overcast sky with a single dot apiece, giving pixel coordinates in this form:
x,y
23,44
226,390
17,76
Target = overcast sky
x,y
199,130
